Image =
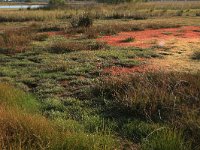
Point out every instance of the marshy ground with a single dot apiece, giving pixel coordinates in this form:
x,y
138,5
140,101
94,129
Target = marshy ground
x,y
175,45
97,78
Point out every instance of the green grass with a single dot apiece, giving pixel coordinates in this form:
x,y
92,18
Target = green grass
x,y
165,139
17,98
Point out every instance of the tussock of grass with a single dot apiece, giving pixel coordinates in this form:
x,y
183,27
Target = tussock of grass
x,y
165,139
138,130
17,98
23,131
19,130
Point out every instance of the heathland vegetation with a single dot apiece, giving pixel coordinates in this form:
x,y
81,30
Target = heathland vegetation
x,y
62,86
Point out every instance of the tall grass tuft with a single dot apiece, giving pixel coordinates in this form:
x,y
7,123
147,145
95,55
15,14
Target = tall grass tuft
x,y
165,139
19,130
9,96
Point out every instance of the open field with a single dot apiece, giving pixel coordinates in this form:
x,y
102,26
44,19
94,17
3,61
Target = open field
x,y
123,76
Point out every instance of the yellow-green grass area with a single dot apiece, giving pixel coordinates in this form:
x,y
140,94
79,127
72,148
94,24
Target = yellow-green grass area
x,y
56,94
157,5
22,126
182,21
136,11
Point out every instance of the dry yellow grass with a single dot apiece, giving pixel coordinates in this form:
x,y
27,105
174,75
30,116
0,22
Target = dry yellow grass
x,y
178,56
19,130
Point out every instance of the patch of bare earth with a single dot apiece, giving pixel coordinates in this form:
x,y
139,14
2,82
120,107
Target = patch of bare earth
x,y
176,45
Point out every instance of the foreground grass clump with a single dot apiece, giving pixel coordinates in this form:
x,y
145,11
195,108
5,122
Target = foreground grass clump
x,y
164,139
162,94
17,98
166,98
20,129
23,131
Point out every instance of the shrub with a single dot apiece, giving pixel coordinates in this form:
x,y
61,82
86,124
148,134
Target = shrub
x,y
81,21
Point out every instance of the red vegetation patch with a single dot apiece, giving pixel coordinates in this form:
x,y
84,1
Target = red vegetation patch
x,y
150,37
